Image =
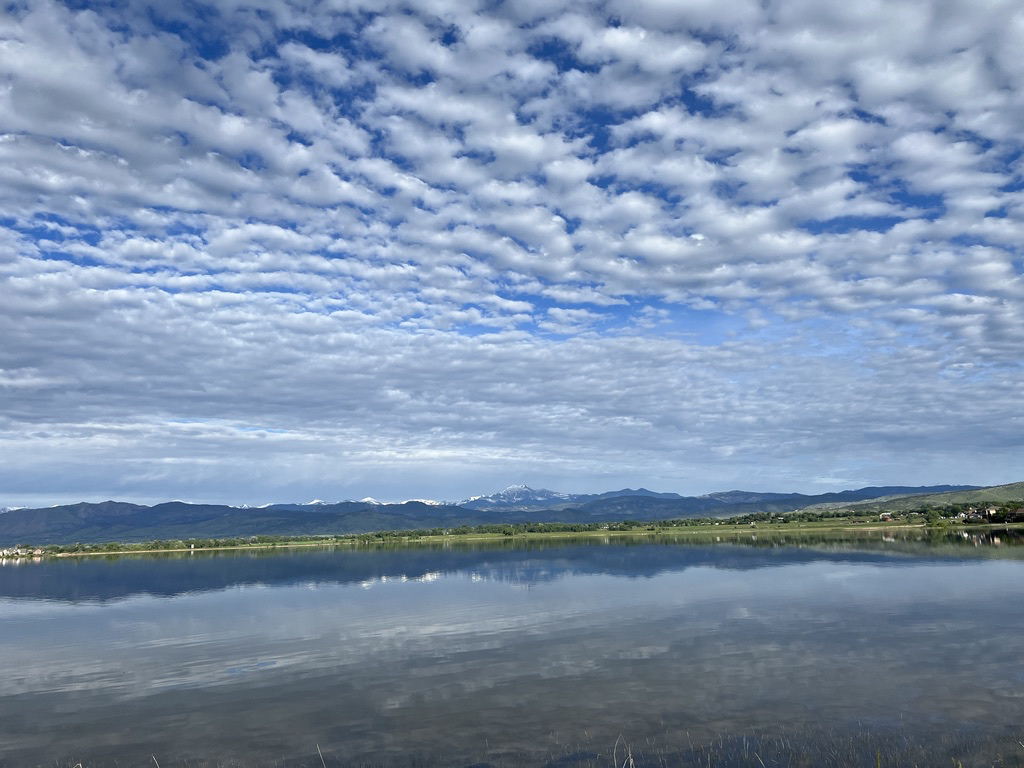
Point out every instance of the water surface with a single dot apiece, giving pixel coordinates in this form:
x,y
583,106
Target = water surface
x,y
564,653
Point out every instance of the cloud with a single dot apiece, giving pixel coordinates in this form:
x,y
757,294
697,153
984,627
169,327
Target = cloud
x,y
683,246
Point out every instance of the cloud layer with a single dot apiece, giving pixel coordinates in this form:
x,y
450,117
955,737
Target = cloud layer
x,y
259,250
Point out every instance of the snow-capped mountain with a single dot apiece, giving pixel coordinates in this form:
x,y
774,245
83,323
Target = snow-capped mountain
x,y
519,496
318,505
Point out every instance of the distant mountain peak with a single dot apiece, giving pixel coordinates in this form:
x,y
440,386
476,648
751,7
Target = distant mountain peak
x,y
518,494
639,492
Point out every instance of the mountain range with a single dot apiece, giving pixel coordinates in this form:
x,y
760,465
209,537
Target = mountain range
x,y
106,521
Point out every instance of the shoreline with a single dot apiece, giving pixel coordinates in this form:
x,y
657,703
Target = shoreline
x,y
729,530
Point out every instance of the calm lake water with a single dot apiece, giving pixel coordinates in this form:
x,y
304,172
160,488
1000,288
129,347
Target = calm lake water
x,y
564,653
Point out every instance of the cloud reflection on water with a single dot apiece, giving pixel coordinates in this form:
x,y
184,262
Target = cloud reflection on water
x,y
696,648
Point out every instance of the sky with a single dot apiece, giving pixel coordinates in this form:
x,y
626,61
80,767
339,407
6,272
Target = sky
x,y
257,251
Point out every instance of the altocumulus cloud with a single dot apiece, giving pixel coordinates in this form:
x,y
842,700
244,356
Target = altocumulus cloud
x,y
251,251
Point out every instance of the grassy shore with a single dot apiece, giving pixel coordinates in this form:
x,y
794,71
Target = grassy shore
x,y
710,532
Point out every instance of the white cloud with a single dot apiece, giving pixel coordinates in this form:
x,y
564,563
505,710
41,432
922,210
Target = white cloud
x,y
447,242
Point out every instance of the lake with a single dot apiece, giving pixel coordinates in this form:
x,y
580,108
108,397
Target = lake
x,y
590,652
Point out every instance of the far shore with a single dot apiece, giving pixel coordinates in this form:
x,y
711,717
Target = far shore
x,y
719,530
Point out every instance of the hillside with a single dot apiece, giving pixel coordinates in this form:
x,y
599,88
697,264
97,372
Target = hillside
x,y
114,521
997,494
125,522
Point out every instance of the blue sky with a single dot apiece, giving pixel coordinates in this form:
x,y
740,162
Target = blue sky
x,y
274,250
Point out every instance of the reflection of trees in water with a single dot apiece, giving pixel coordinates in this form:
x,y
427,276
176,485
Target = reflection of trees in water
x,y
798,746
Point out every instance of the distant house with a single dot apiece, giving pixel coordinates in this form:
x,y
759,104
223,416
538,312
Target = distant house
x,y
17,553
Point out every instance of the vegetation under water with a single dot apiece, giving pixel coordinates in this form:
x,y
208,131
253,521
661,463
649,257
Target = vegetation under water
x,y
798,747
